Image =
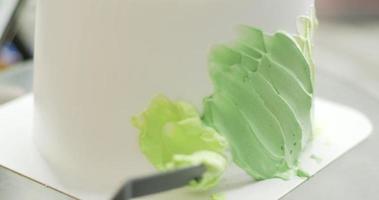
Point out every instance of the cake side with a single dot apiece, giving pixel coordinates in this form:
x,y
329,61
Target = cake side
x,y
99,63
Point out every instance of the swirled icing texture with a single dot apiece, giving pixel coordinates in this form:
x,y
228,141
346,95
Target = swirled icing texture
x,y
261,104
262,100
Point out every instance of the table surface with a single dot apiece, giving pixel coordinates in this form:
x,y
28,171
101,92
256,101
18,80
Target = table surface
x,y
348,72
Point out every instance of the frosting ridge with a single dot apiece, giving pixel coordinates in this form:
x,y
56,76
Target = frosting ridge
x,y
262,101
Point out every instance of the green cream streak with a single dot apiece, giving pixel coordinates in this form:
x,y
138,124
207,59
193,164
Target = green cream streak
x,y
262,101
261,105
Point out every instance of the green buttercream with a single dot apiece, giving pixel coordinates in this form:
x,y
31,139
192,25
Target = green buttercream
x,y
303,174
307,26
261,105
261,101
218,196
172,135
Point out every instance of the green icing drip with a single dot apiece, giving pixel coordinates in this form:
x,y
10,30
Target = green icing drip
x,y
307,26
172,135
218,196
262,101
302,173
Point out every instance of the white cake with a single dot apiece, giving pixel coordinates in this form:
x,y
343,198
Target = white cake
x,y
100,62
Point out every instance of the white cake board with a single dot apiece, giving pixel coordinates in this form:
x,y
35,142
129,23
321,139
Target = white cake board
x,y
337,130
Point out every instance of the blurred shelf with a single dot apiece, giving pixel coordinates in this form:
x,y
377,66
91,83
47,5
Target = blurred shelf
x,y
15,81
349,51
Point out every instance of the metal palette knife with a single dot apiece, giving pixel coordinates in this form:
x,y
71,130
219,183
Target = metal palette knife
x,y
159,183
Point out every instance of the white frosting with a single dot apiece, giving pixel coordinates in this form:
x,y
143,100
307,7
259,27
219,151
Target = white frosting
x,y
100,62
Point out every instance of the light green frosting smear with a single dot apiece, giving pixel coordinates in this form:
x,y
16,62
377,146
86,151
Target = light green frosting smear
x,y
172,135
262,101
261,105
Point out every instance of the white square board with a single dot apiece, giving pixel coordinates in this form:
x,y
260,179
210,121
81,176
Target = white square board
x,y
337,130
